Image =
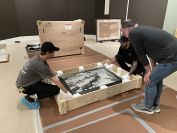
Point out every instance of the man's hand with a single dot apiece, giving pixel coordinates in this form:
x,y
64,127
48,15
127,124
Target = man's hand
x,y
108,61
68,95
111,61
58,83
147,74
146,77
130,76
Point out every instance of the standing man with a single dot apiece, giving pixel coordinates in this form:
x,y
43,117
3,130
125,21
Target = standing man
x,y
31,76
126,55
161,47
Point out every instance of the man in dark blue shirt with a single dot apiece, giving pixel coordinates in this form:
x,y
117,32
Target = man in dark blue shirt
x,y
161,47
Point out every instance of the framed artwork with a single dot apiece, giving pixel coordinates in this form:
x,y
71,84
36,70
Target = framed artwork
x,y
108,29
88,81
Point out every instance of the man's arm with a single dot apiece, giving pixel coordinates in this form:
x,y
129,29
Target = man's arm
x,y
58,83
139,49
110,61
148,70
133,67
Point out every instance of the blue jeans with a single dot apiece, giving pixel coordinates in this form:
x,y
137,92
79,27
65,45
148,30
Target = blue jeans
x,y
154,89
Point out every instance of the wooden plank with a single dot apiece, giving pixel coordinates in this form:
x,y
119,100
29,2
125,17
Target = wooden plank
x,y
75,62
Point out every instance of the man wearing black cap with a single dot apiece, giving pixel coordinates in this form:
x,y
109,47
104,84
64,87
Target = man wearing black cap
x,y
126,55
161,47
32,74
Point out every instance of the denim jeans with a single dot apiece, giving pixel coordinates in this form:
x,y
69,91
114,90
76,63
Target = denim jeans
x,y
154,89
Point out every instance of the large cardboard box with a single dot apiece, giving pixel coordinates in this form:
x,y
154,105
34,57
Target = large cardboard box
x,y
66,105
67,35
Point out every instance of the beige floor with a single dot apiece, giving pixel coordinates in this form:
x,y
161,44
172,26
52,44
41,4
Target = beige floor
x,y
15,118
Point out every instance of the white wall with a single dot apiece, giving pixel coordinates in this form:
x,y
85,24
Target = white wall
x,y
170,22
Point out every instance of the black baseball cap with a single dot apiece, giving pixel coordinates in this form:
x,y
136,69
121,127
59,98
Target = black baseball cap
x,y
128,23
49,47
123,39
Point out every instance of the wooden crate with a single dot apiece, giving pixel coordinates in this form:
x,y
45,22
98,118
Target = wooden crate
x,y
108,29
66,105
67,35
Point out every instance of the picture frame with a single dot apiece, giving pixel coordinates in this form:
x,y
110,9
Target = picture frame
x,y
108,29
90,80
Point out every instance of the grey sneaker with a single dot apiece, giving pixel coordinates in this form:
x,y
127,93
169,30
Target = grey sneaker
x,y
156,108
139,107
142,101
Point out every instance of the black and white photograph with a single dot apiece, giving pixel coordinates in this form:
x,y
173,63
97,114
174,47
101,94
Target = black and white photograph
x,y
89,81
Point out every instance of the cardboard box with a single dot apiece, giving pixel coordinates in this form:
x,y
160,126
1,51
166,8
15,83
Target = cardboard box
x,y
66,105
67,35
108,29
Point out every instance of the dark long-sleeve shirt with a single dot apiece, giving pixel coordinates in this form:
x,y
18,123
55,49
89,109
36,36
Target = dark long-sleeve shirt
x,y
128,53
154,42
